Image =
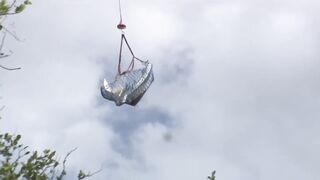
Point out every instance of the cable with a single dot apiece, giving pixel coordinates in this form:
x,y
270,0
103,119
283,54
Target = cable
x,y
120,11
121,27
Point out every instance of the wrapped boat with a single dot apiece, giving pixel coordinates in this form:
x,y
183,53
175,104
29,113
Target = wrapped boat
x,y
129,88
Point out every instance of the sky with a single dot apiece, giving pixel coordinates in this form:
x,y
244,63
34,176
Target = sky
x,y
236,88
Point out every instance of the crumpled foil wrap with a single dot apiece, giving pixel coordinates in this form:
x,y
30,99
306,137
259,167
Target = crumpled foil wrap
x,y
129,88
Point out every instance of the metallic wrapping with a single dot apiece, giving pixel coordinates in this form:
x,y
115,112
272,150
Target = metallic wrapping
x,y
129,88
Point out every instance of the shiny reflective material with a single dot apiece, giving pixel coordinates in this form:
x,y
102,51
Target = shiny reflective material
x,y
129,88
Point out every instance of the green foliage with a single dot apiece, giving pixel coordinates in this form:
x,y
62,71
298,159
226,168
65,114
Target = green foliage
x,y
9,8
17,162
81,175
12,7
27,2
20,8
4,7
213,176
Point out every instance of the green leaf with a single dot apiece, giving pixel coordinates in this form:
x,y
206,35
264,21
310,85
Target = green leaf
x,y
46,151
27,2
51,155
16,140
4,7
20,8
81,175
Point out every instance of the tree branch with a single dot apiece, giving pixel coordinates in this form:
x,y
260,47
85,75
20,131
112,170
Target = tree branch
x,y
213,176
12,4
2,42
63,172
9,69
11,33
2,55
83,175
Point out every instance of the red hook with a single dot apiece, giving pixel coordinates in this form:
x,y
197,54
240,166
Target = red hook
x,y
121,26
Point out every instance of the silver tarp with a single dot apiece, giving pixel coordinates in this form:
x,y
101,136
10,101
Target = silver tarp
x,y
128,88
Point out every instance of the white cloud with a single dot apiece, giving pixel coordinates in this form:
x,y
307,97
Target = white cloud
x,y
236,88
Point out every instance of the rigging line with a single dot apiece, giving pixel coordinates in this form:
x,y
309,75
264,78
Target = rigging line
x,y
120,53
131,66
125,40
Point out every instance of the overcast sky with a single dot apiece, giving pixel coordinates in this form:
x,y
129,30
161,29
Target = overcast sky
x,y
236,88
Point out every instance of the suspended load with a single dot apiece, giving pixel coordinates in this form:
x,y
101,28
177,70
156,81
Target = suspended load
x,y
129,86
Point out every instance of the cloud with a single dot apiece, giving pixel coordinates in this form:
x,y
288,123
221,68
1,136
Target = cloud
x,y
236,88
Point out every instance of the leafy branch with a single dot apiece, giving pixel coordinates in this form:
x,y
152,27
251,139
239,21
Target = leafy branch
x,y
213,176
6,9
17,162
12,8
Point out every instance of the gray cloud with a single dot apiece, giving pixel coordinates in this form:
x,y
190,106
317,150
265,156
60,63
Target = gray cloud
x,y
126,121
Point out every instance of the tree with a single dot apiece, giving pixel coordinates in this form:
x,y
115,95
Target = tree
x,y
17,162
7,9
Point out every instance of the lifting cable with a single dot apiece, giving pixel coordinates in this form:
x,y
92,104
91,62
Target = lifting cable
x,y
121,27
